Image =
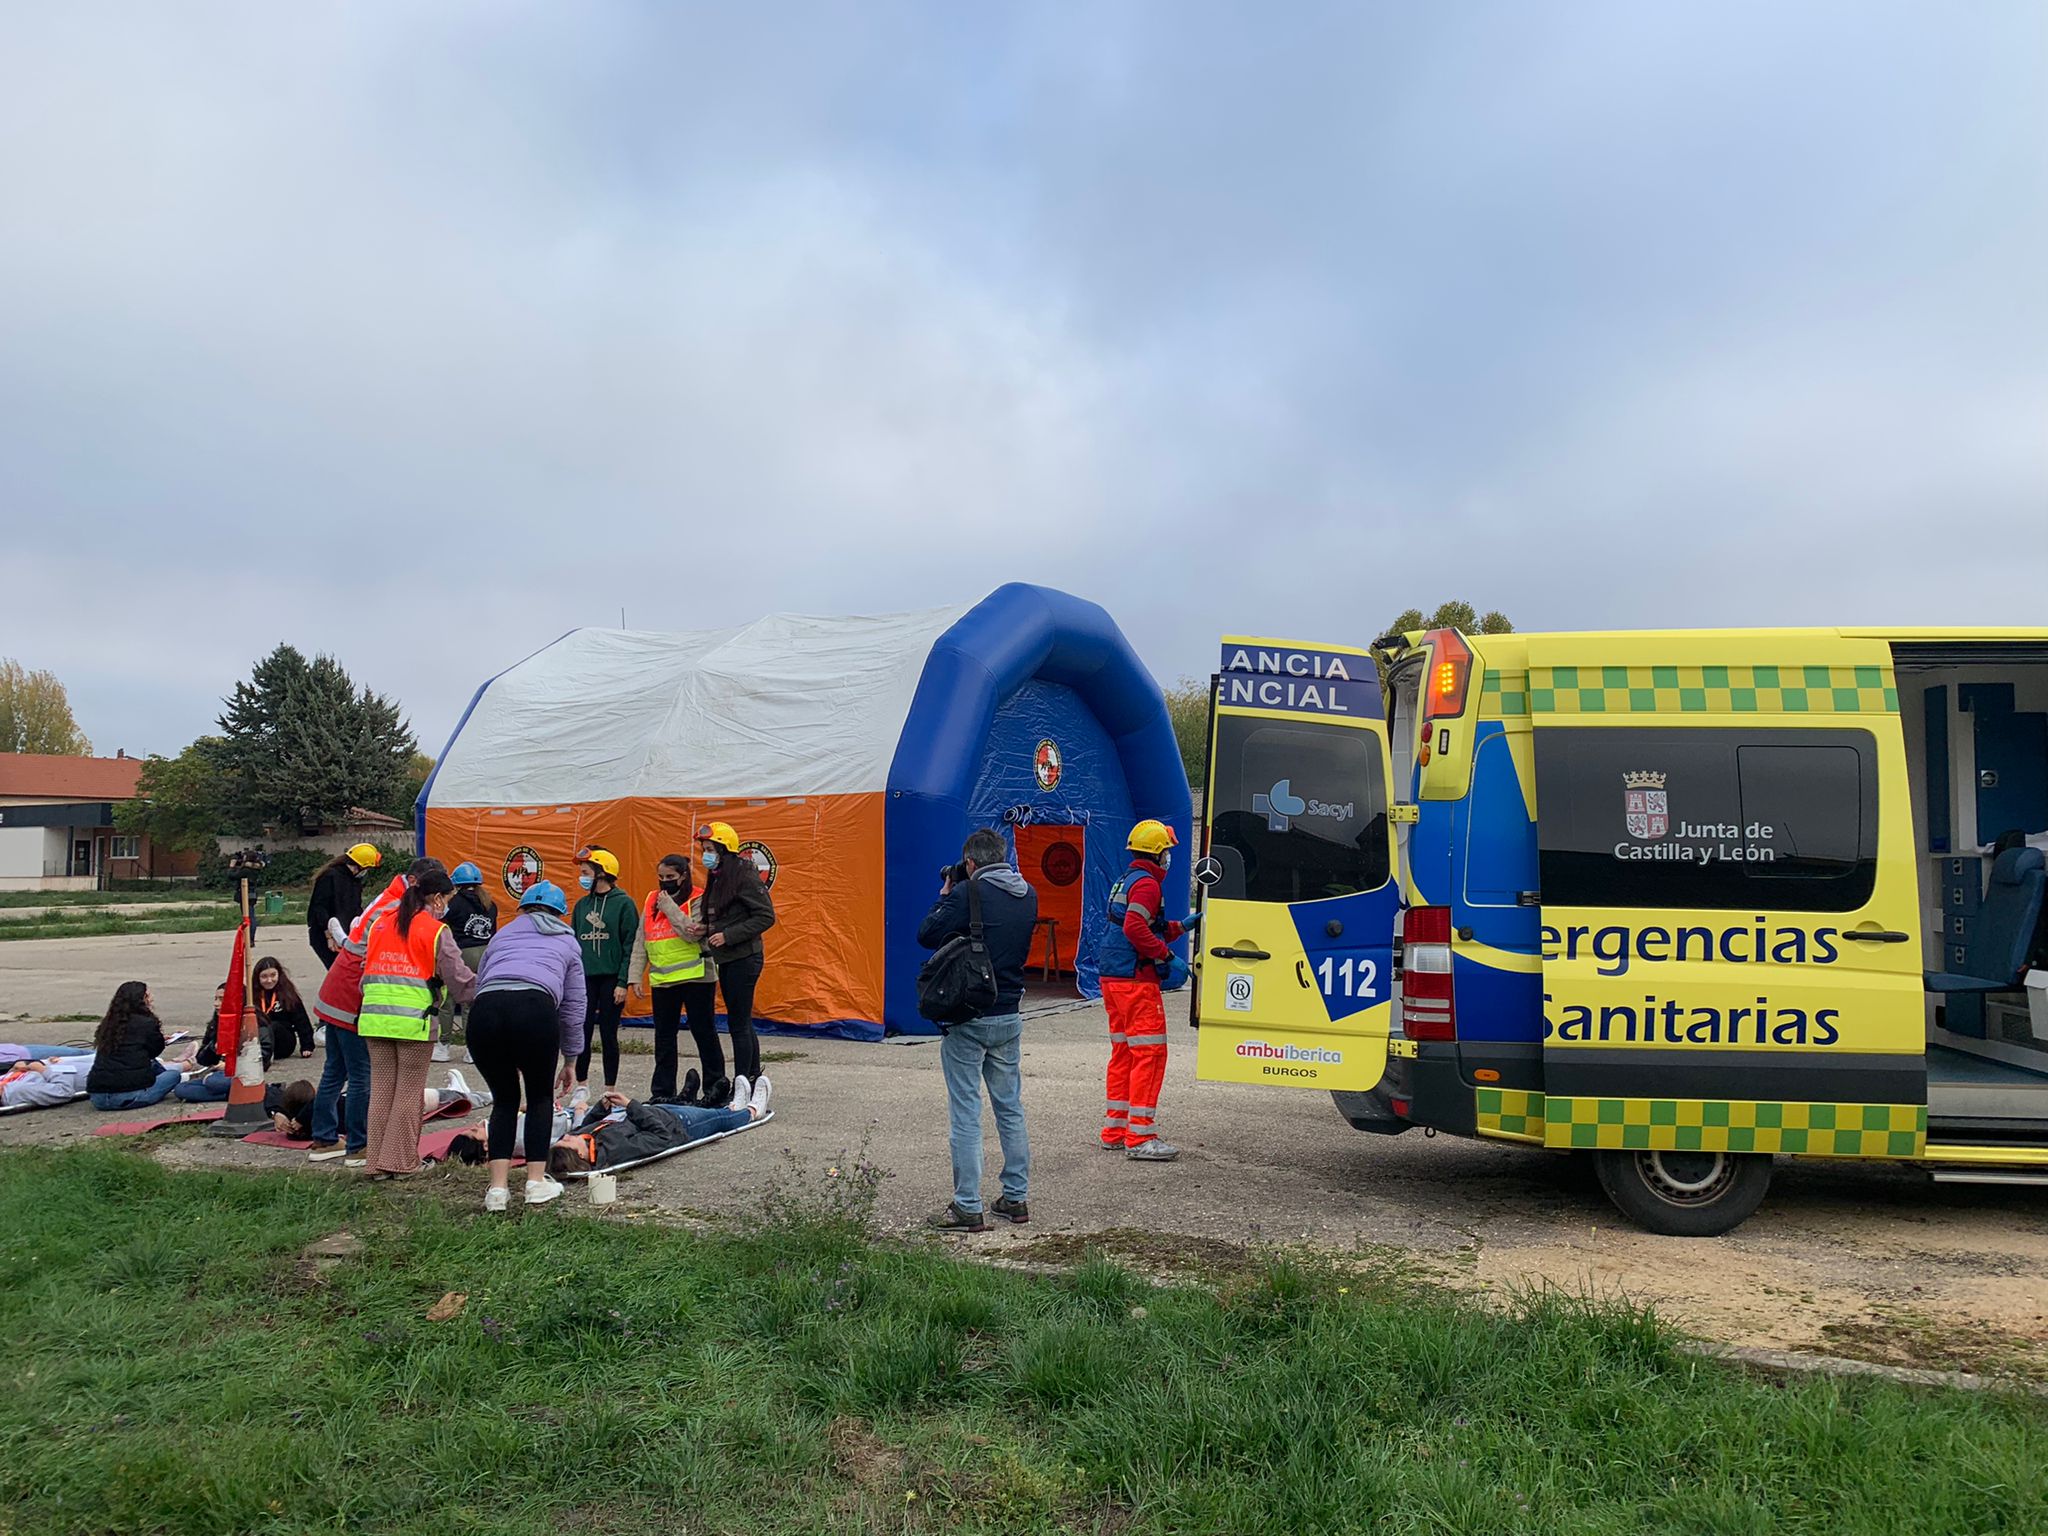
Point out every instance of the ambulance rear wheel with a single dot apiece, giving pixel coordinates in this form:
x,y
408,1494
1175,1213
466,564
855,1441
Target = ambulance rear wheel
x,y
1685,1194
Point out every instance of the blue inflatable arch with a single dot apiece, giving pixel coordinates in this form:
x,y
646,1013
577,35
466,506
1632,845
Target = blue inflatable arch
x,y
1020,647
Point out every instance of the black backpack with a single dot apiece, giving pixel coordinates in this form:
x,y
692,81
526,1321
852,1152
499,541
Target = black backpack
x,y
958,982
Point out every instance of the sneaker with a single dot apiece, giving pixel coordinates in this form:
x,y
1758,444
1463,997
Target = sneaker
x,y
1016,1210
355,1160
690,1087
579,1101
497,1199
541,1191
325,1151
441,1051
465,1058
320,1037
1113,1146
459,1085
1153,1151
950,1218
740,1093
717,1093
757,1101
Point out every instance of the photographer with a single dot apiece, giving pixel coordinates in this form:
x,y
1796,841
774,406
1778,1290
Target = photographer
x,y
986,1049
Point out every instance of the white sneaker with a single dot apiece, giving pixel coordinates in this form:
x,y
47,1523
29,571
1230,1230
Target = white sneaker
x,y
441,1051
355,1162
579,1101
541,1191
740,1092
459,1085
758,1103
497,1199
467,1059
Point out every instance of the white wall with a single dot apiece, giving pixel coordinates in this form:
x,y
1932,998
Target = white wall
x,y
21,853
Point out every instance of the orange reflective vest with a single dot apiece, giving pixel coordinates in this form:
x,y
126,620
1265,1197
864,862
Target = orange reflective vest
x,y
398,978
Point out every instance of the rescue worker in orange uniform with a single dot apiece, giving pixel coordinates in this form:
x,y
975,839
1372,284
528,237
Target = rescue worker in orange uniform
x,y
1134,961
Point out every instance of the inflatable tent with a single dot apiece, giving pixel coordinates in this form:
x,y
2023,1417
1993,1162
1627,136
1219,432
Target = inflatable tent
x,y
853,756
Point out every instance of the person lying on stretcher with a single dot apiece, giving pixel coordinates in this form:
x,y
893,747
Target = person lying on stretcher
x,y
621,1130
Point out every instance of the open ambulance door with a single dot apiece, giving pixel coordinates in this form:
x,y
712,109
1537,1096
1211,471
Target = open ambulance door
x,y
1294,956
1730,913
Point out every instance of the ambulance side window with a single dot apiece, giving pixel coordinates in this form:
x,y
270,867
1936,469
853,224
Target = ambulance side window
x,y
1675,818
1300,811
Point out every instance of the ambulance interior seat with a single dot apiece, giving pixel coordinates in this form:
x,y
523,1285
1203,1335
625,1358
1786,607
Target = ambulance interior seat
x,y
2003,942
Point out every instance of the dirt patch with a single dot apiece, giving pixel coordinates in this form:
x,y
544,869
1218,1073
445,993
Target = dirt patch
x,y
1154,1253
1927,1343
863,1457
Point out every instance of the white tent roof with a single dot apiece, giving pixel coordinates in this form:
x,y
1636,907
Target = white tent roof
x,y
789,705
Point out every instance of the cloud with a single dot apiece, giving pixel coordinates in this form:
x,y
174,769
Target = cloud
x,y
419,334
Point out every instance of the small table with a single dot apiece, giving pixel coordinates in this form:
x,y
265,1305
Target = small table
x,y
1049,961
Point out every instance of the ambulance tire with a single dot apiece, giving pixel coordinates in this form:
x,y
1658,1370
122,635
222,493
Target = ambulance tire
x,y
1685,1194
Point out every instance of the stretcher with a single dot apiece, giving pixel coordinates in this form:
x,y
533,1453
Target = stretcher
x,y
666,1152
22,1109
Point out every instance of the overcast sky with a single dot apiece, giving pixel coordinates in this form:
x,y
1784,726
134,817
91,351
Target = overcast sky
x,y
419,333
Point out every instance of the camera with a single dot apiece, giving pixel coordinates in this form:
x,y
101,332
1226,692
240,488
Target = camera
x,y
952,873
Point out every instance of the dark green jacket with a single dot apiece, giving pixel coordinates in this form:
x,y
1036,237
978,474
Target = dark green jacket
x,y
606,927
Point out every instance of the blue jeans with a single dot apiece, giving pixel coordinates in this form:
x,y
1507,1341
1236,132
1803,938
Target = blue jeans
x,y
52,1052
210,1089
348,1065
986,1051
701,1122
167,1078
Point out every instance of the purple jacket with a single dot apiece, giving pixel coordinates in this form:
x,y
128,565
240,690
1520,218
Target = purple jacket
x,y
538,949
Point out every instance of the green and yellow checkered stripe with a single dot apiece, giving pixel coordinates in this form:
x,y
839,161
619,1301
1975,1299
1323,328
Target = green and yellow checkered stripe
x,y
1720,1125
1511,1114
1763,690
1503,695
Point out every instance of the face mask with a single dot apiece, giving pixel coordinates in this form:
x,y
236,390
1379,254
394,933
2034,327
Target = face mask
x,y
1166,861
671,886
710,857
585,881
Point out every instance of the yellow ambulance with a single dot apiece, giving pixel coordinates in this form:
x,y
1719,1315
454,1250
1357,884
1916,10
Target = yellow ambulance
x,y
1690,900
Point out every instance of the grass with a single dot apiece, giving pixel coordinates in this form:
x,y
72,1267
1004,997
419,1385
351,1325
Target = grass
x,y
207,918
175,1365
104,898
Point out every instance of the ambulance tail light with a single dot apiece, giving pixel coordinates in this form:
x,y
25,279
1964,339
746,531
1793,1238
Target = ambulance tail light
x,y
1428,1011
1449,675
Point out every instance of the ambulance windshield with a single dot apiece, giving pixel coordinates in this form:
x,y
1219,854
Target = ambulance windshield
x,y
1299,812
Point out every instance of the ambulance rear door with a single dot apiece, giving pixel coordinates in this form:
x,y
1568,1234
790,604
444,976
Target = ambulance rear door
x,y
1298,898
1729,905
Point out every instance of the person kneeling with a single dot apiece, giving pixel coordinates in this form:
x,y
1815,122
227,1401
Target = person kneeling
x,y
622,1130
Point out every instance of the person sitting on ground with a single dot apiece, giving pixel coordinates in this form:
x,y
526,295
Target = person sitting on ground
x,y
127,1072
213,1087
279,1006
44,1081
622,1130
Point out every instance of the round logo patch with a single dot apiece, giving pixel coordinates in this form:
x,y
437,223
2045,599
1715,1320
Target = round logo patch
x,y
523,871
764,861
1060,864
1047,765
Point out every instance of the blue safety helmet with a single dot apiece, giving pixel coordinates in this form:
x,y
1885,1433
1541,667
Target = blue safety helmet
x,y
466,874
545,893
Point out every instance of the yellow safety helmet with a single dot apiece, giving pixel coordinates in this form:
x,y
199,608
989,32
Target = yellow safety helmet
x,y
720,833
364,856
1152,838
600,858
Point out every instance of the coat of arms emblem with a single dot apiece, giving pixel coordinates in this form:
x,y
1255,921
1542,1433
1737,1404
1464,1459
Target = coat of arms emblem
x,y
1648,811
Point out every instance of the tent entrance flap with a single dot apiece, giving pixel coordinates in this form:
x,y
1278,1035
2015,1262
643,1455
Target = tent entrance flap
x,y
1054,858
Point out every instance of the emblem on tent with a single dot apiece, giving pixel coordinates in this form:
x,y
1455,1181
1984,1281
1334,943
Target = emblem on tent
x,y
1061,863
1644,802
523,871
1047,765
764,861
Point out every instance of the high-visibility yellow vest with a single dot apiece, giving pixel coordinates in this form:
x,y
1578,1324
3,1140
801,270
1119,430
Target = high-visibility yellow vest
x,y
398,978
670,957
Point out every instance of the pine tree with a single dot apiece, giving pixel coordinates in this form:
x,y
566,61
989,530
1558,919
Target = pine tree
x,y
304,746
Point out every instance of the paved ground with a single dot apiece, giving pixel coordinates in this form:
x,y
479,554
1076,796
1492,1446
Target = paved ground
x,y
1872,1261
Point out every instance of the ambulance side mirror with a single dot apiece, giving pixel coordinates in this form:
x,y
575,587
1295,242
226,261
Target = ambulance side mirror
x,y
1405,815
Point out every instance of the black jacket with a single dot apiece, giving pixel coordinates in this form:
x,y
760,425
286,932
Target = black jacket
x,y
644,1132
208,1054
472,918
747,913
1009,909
336,894
131,1065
